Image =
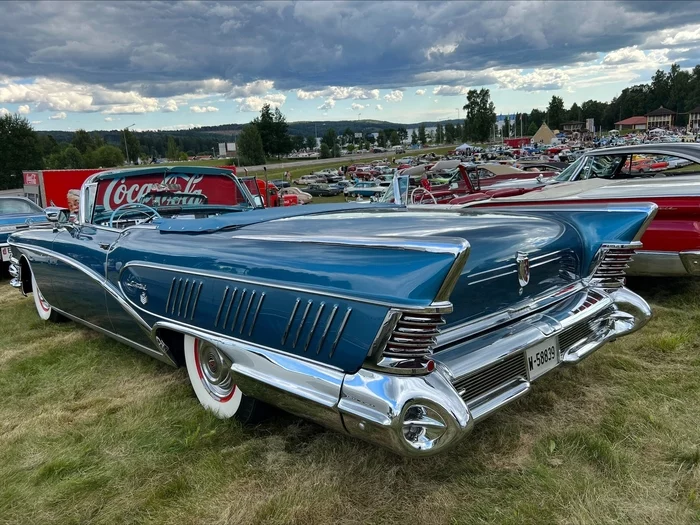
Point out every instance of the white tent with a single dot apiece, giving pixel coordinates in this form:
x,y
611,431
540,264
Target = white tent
x,y
464,147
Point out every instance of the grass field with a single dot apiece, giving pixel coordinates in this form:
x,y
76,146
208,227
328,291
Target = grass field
x,y
94,432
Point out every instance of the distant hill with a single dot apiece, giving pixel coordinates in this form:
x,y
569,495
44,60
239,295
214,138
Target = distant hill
x,y
203,139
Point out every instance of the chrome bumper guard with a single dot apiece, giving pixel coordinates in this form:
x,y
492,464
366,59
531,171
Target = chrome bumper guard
x,y
665,264
14,270
422,415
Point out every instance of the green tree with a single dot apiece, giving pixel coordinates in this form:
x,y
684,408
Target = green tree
x,y
506,127
537,117
459,132
403,133
134,146
73,158
250,146
182,156
532,129
394,138
480,115
414,138
19,150
556,114
274,131
109,156
330,138
439,134
325,151
381,139
82,140
297,142
421,134
450,135
173,152
351,148
311,142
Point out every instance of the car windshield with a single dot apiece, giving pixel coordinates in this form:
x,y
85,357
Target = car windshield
x,y
194,195
9,206
567,173
601,167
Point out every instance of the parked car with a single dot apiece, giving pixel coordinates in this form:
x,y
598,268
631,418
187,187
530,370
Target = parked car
x,y
323,190
16,213
671,244
304,197
364,189
397,326
311,179
281,183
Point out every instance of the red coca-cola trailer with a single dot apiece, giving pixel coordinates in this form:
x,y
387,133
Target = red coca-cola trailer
x,y
518,142
62,188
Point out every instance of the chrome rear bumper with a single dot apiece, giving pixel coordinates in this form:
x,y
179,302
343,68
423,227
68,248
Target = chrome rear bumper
x,y
665,264
426,414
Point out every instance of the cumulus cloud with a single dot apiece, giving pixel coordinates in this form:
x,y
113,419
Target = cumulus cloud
x,y
379,107
4,111
35,122
339,93
420,92
328,104
58,116
449,91
255,104
109,119
259,87
357,107
203,109
394,96
24,110
624,55
170,106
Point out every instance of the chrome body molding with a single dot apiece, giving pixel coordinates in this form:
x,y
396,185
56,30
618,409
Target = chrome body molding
x,y
668,264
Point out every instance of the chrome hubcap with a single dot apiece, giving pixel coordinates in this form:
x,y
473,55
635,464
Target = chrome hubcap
x,y
216,370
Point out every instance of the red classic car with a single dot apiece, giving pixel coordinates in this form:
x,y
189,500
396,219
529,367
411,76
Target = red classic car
x,y
671,244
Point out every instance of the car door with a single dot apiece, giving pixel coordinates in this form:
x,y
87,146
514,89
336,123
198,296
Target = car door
x,y
78,279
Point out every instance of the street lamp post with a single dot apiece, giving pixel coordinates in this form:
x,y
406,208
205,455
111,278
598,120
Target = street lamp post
x,y
126,145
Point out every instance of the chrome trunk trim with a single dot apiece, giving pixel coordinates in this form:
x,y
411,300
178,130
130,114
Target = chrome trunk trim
x,y
291,320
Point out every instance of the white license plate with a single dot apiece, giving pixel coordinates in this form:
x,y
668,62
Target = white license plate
x,y
5,251
542,357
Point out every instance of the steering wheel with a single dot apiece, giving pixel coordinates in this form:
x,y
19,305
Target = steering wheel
x,y
124,207
423,193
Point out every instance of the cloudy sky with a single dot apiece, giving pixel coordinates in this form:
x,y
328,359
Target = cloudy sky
x,y
103,65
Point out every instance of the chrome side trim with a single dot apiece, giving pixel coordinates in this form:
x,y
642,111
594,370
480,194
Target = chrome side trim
x,y
196,299
492,277
384,334
454,273
454,246
247,310
184,292
328,326
221,307
314,324
280,286
519,310
291,320
301,323
238,309
228,310
170,293
177,293
255,315
189,298
340,331
150,351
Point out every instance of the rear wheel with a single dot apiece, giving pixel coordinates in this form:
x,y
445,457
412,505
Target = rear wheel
x,y
43,308
209,370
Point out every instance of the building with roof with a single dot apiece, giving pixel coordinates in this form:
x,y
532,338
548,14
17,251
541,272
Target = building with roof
x,y
660,118
573,125
694,119
636,123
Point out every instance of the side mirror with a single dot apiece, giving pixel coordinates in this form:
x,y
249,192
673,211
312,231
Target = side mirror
x,y
57,215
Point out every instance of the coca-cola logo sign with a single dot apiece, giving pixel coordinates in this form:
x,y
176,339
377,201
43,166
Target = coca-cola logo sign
x,y
214,189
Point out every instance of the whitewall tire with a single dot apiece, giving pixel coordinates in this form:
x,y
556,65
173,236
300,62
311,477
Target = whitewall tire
x,y
43,308
210,374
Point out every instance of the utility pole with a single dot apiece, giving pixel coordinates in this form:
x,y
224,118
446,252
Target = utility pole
x,y
126,145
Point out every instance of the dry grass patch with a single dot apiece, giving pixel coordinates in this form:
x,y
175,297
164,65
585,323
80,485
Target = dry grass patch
x,y
94,432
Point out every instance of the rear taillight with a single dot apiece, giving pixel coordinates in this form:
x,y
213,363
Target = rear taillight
x,y
611,263
409,347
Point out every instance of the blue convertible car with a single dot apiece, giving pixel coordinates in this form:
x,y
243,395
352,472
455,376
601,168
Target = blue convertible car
x,y
404,336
